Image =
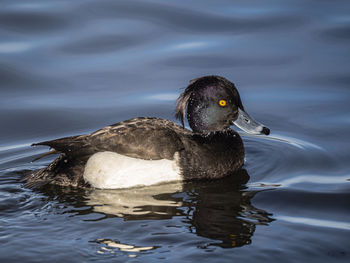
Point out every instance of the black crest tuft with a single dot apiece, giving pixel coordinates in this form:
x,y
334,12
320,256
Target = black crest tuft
x,y
181,106
182,102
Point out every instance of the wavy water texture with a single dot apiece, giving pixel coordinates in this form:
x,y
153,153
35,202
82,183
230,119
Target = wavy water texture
x,y
72,67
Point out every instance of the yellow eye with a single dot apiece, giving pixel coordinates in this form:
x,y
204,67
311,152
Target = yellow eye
x,y
222,103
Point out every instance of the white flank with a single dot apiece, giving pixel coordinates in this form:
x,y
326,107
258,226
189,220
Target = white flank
x,y
109,170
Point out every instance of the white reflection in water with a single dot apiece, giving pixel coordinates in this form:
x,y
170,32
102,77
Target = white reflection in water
x,y
122,247
130,201
13,47
163,96
15,146
315,222
189,45
316,179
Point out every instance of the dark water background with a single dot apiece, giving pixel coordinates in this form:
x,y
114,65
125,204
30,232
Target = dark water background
x,y
71,67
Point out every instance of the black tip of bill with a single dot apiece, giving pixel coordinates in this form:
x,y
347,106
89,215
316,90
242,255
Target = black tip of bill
x,y
265,131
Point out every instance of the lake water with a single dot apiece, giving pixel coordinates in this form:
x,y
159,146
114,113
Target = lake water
x,y
71,67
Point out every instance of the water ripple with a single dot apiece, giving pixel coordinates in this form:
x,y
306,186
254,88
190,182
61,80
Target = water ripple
x,y
188,19
102,43
32,23
14,47
339,33
69,67
285,139
315,222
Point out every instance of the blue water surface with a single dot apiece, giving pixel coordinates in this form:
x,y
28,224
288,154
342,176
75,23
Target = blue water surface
x,y
71,67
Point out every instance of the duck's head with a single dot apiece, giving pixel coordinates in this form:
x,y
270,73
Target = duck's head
x,y
212,103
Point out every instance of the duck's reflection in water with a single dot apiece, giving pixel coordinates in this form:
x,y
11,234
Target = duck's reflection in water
x,y
152,202
220,210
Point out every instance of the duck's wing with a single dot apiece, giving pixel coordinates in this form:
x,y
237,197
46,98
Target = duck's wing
x,y
146,138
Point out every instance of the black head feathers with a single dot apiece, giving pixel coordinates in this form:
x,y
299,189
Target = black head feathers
x,y
208,89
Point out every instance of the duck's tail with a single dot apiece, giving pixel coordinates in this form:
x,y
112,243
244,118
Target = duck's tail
x,y
65,170
47,175
37,178
62,171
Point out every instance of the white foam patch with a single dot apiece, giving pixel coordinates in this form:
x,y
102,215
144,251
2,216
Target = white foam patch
x,y
110,170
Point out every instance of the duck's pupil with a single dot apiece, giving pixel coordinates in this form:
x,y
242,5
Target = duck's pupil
x,y
222,102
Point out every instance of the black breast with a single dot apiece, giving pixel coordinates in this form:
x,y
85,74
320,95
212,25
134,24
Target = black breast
x,y
213,156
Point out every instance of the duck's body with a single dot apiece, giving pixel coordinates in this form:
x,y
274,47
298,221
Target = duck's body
x,y
144,151
152,143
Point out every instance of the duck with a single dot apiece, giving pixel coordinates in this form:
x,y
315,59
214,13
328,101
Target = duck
x,y
145,151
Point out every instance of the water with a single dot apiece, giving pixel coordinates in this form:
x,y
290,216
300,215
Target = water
x,y
71,67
